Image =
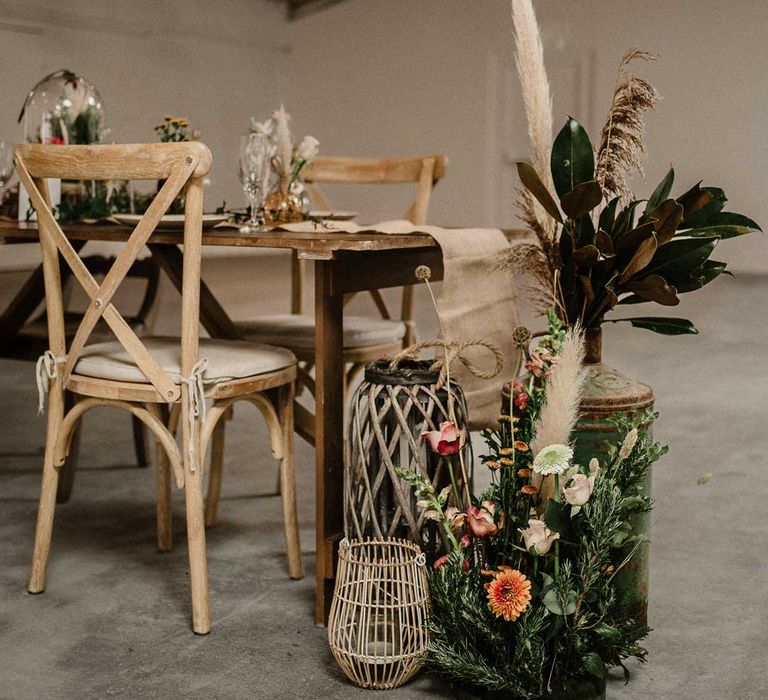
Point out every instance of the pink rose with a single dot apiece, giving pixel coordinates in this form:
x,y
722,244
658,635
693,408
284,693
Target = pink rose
x,y
481,519
446,441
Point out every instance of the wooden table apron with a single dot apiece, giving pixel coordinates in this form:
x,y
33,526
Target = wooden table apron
x,y
343,263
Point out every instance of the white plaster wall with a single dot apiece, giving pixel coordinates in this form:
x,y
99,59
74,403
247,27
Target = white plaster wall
x,y
371,77
213,62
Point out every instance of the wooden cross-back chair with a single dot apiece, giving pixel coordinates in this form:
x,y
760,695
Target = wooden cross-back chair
x,y
31,338
144,375
365,338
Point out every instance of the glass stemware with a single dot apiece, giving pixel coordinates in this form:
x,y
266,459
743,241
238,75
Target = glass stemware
x,y
6,165
254,175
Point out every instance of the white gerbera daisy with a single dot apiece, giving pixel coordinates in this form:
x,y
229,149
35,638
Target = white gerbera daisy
x,y
553,459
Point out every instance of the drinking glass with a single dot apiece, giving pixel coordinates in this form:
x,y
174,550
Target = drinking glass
x,y
254,175
6,165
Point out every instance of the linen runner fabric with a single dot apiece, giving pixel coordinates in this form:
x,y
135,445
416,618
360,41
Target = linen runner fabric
x,y
475,300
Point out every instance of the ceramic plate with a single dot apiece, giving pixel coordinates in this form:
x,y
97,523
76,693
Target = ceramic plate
x,y
170,222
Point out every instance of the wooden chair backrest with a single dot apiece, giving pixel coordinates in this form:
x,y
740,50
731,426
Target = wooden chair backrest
x,y
424,171
182,166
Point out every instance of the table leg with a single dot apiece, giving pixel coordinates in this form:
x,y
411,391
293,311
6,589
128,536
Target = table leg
x,y
212,315
329,431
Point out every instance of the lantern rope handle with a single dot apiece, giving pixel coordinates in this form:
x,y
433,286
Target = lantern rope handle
x,y
454,351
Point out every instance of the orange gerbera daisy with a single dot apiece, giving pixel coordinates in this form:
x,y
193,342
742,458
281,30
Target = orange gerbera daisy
x,y
524,472
508,593
521,446
529,490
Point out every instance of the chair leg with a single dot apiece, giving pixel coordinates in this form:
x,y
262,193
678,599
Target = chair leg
x,y
140,442
164,505
198,565
50,480
217,467
69,468
285,396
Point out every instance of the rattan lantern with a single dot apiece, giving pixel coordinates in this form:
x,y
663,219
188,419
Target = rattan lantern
x,y
389,410
377,627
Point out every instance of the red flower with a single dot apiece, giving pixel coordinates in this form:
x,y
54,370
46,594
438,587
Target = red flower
x,y
481,520
441,561
446,441
521,400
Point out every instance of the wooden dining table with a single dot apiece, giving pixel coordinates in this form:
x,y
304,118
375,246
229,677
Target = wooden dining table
x,y
344,263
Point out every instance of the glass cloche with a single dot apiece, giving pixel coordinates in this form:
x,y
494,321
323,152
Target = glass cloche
x,y
63,108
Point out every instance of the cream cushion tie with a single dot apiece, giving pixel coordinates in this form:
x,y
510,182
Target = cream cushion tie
x,y
298,331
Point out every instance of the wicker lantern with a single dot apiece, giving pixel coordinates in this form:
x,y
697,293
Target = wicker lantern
x,y
377,627
390,409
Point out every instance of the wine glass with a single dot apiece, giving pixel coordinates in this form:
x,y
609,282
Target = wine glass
x,y
6,165
254,175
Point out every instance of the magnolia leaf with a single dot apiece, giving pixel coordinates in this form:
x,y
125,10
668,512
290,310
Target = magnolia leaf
x,y
530,178
666,217
624,221
661,192
730,218
586,256
582,199
659,324
654,288
720,231
694,199
604,242
703,275
680,257
573,158
552,602
608,215
627,245
701,216
639,261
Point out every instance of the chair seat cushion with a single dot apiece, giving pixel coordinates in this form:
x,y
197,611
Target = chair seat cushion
x,y
227,359
298,331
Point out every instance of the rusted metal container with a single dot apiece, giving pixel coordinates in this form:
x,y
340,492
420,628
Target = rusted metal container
x,y
607,392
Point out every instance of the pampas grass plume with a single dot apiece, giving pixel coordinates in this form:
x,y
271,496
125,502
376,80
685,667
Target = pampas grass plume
x,y
564,389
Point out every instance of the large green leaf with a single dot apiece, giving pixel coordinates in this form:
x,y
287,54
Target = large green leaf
x,y
624,221
662,191
531,180
640,259
653,288
701,216
608,215
573,158
695,199
680,257
659,324
703,275
730,218
721,232
666,218
582,199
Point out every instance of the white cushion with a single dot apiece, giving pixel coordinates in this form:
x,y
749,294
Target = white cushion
x,y
298,331
227,359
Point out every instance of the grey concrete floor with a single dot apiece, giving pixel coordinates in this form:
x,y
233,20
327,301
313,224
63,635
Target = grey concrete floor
x,y
114,621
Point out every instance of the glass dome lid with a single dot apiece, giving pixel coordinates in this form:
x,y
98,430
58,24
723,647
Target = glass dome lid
x,y
63,108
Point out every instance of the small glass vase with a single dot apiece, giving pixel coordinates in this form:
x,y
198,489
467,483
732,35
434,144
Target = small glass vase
x,y
285,207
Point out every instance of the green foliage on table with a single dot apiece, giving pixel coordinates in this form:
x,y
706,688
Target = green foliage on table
x,y
615,252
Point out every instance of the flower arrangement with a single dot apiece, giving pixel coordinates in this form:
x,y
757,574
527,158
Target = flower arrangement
x,y
526,601
174,129
598,245
289,158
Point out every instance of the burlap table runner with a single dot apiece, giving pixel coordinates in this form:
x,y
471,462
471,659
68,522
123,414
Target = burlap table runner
x,y
475,300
